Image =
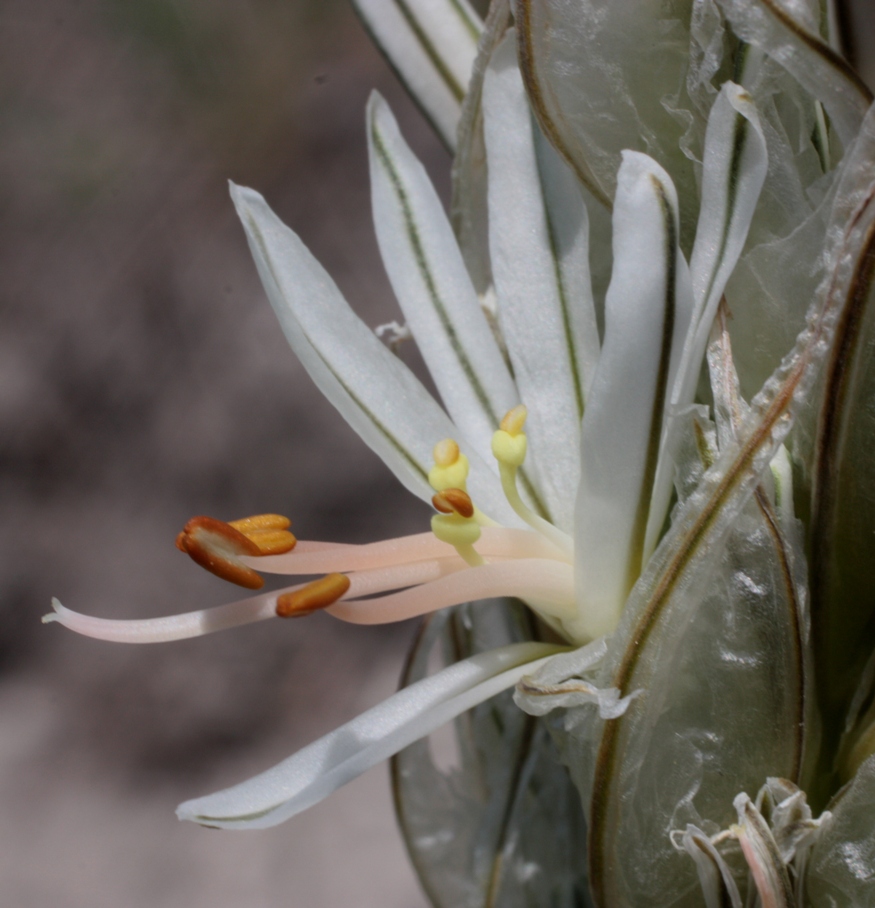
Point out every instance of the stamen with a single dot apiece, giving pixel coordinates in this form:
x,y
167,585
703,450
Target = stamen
x,y
546,585
451,467
457,523
218,546
513,421
509,445
329,557
245,611
459,532
446,452
270,532
454,501
314,596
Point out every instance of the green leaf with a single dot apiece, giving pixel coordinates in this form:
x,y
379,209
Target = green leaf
x,y
841,869
482,834
841,524
722,669
842,527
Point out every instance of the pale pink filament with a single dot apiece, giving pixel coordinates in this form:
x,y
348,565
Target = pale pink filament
x,y
244,611
328,557
547,584
434,584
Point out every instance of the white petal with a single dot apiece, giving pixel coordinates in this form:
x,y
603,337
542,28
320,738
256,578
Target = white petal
x,y
432,45
734,170
373,390
319,769
433,288
539,261
570,230
647,312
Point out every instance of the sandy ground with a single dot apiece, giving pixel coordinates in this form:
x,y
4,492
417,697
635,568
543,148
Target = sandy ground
x,y
143,380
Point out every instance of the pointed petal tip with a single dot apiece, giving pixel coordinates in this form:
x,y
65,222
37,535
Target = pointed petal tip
x,y
379,113
243,196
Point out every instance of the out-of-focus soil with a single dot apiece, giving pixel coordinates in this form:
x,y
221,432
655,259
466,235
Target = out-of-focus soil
x,y
143,379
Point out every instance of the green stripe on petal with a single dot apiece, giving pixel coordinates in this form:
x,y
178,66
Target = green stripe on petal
x,y
371,388
431,44
432,286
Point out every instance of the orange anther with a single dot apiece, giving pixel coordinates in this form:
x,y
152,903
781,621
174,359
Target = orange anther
x,y
270,532
217,547
453,501
273,542
312,597
261,522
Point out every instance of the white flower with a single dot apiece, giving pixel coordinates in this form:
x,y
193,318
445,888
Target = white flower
x,y
560,447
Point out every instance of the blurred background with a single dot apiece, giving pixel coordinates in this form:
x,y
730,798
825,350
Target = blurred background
x,y
143,380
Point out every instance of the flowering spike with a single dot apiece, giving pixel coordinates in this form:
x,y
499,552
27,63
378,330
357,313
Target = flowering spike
x,y
314,596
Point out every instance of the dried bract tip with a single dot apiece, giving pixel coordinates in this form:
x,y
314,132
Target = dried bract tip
x,y
454,501
314,596
217,547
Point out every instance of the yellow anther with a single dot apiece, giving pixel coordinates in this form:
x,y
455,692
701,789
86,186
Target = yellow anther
x,y
450,470
509,443
454,501
509,446
314,596
514,420
457,531
509,449
446,453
